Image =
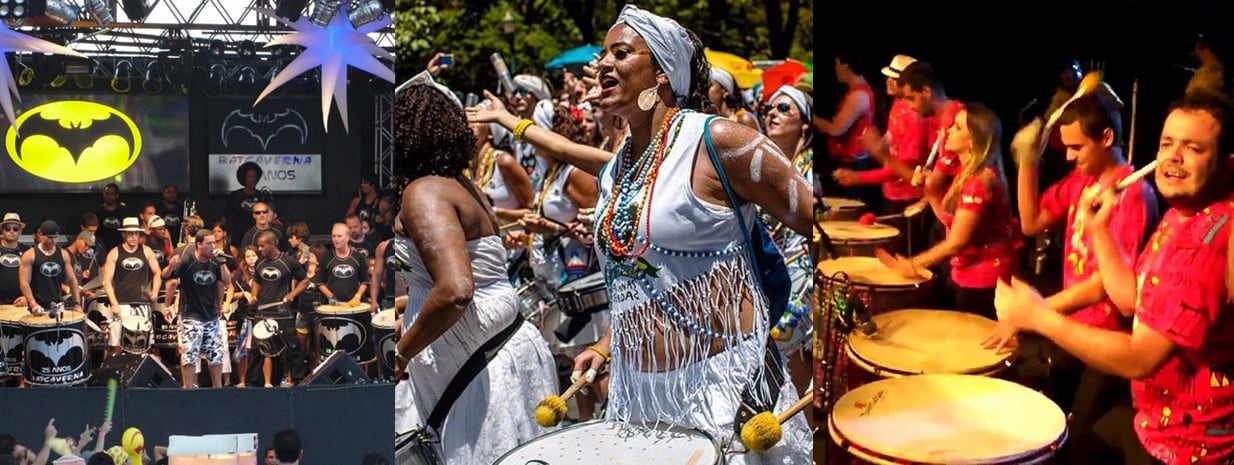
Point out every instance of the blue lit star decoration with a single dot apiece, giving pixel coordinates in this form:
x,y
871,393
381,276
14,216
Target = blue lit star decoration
x,y
334,48
13,41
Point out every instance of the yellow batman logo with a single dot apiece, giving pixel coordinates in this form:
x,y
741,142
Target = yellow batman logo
x,y
73,141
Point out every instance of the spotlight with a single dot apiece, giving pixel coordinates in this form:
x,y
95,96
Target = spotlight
x,y
100,12
323,11
246,80
137,10
154,78
120,80
51,13
247,49
217,47
214,85
364,12
291,9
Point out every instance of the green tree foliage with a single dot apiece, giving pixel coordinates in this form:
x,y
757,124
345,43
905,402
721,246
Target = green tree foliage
x,y
473,30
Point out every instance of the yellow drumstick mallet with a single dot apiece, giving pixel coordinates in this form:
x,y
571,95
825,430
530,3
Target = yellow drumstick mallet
x,y
763,431
552,409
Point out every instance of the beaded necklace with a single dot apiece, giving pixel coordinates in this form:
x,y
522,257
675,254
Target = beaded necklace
x,y
632,193
538,206
484,172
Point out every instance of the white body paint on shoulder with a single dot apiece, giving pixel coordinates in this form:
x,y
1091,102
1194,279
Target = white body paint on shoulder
x,y
756,166
739,151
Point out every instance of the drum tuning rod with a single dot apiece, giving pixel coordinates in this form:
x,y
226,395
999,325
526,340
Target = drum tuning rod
x,y
553,409
763,431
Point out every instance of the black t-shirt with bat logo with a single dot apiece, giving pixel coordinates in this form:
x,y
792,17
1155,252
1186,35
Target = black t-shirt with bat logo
x,y
199,289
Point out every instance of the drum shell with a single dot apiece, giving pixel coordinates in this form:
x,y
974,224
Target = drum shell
x,y
844,209
165,334
14,334
384,342
132,339
56,353
584,296
274,345
335,331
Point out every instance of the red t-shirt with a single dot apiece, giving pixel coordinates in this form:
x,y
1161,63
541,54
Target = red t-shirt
x,y
1185,411
990,252
948,162
848,146
1131,215
907,130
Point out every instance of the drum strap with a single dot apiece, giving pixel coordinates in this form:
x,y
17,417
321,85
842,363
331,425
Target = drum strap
x,y
767,380
468,372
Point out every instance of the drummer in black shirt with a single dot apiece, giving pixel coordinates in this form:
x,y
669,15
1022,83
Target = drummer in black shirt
x,y
273,285
43,271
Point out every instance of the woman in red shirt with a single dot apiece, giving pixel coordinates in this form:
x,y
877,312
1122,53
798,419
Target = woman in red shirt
x,y
981,235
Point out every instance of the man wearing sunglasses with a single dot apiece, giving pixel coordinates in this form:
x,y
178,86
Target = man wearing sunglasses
x,y
263,220
10,259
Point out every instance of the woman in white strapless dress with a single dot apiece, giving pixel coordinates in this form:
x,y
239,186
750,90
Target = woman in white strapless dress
x,y
459,298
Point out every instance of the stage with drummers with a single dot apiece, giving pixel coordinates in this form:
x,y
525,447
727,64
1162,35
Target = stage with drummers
x,y
1052,288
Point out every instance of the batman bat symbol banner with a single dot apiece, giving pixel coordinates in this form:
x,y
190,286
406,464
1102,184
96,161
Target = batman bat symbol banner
x,y
56,356
74,141
348,333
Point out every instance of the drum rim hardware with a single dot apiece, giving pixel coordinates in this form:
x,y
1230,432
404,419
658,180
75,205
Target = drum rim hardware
x,y
720,449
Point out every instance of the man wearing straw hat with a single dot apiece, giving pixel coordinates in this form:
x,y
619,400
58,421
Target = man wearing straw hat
x,y
131,277
10,260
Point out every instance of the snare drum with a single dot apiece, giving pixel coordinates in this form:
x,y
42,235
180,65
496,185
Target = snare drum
x,y
883,289
12,338
384,323
607,442
99,313
267,337
917,341
583,296
947,418
844,209
136,334
853,239
56,353
344,328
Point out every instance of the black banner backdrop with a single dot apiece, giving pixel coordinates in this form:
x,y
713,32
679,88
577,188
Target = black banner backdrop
x,y
282,135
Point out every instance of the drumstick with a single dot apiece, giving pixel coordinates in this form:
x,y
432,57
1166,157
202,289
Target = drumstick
x,y
552,409
1135,177
510,226
938,142
1088,85
794,258
763,431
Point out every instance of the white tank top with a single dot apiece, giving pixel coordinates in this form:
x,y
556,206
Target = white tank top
x,y
550,265
497,190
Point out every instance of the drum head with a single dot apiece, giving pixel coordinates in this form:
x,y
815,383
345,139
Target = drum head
x,y
842,231
836,203
948,419
385,319
265,329
586,282
916,341
12,314
604,442
65,317
136,324
343,309
871,272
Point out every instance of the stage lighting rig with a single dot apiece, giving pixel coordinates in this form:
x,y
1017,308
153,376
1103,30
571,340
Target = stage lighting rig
x,y
291,9
323,11
99,11
137,10
364,12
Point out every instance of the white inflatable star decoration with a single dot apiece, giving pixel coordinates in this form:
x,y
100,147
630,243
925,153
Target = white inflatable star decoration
x,y
334,48
13,41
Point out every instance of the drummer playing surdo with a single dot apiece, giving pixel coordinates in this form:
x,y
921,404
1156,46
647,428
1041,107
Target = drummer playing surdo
x,y
1179,353
43,272
344,278
980,241
272,283
131,275
204,279
10,260
1091,131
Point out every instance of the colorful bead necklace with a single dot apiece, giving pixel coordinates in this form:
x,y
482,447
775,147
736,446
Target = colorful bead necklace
x,y
484,172
632,194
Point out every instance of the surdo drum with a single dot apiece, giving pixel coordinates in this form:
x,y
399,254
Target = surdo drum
x,y
12,338
843,209
346,329
606,442
853,239
883,289
947,419
917,341
56,353
384,323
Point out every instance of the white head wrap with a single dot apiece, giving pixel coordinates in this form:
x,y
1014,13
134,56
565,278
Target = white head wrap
x,y
424,78
534,84
669,44
543,114
724,79
798,97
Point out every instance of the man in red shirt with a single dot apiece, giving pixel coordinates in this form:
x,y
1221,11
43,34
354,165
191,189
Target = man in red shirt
x,y
1091,130
1180,352
853,117
905,142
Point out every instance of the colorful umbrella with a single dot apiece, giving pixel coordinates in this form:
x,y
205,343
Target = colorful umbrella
x,y
786,73
577,56
742,70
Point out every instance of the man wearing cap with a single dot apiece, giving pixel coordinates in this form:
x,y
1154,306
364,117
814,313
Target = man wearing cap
x,y
44,271
131,276
905,142
158,239
10,260
205,280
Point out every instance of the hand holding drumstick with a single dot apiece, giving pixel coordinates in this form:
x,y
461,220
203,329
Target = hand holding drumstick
x,y
763,431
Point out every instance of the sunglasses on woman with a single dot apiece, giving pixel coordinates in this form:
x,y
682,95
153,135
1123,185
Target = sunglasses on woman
x,y
784,108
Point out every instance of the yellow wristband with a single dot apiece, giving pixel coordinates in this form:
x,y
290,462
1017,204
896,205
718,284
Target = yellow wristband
x,y
597,350
521,127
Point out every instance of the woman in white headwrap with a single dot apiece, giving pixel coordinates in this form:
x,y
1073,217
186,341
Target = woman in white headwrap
x,y
690,322
498,174
726,98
